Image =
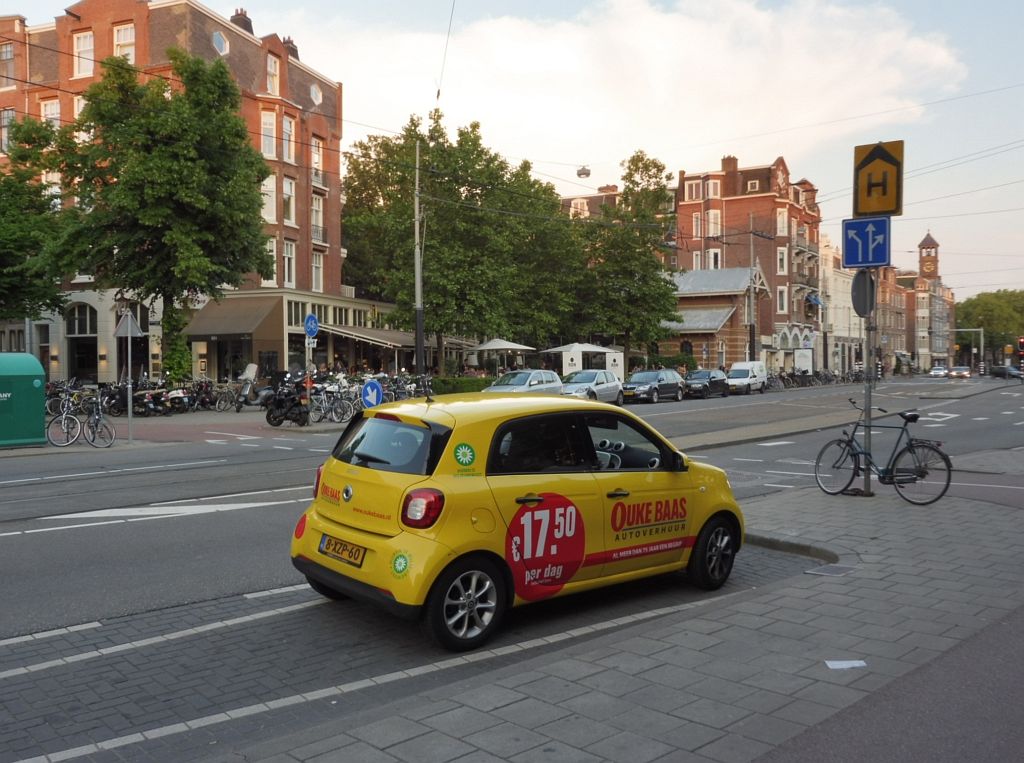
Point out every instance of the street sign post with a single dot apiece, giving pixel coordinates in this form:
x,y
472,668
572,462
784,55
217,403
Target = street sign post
x,y
878,179
867,242
312,326
129,328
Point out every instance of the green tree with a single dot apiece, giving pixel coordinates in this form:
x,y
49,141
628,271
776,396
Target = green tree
x,y
28,286
167,188
498,258
1000,313
633,295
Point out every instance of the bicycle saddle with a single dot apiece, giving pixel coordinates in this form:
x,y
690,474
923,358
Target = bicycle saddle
x,y
910,418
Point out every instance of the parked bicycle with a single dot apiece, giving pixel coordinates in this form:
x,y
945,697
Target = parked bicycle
x,y
919,470
63,429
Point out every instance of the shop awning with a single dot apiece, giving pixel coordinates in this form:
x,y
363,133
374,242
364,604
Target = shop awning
x,y
231,316
390,338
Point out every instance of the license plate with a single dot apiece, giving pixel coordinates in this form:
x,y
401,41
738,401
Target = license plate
x,y
628,393
342,551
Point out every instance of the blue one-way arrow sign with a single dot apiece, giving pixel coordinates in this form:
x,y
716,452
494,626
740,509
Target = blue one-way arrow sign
x,y
866,242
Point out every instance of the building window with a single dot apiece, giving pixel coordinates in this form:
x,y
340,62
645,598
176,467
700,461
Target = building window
x,y
6,117
124,42
288,200
318,271
579,208
7,64
316,94
781,222
273,75
268,133
696,225
80,320
781,260
272,251
714,222
691,189
288,139
82,136
714,259
316,160
753,185
269,191
696,260
316,219
50,112
83,54
296,311
51,181
714,189
782,304
220,43
288,265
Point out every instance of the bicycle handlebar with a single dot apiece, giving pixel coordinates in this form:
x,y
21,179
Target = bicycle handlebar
x,y
874,407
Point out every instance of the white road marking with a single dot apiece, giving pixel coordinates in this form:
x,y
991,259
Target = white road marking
x,y
161,511
283,447
237,436
249,445
755,460
927,426
795,474
49,634
772,484
319,450
777,442
231,495
259,708
979,484
1008,413
276,591
217,442
797,461
289,439
980,418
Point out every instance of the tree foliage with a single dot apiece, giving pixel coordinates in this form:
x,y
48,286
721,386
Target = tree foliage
x,y
28,286
167,185
633,295
498,258
1000,313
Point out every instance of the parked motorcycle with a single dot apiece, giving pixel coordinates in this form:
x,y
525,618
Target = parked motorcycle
x,y
289,402
250,395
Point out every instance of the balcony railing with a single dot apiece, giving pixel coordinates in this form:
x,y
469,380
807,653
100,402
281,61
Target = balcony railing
x,y
348,291
801,243
319,233
805,279
318,177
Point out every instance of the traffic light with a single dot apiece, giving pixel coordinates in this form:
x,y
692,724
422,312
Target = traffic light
x,y
1020,344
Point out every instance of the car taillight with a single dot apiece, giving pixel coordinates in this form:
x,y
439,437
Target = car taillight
x,y
316,482
422,507
300,527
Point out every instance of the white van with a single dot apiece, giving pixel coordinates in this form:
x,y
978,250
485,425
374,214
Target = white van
x,y
746,376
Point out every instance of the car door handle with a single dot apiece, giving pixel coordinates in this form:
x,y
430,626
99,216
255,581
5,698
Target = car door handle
x,y
529,499
620,493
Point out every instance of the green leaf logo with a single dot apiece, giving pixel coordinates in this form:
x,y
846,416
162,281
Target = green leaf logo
x,y
465,454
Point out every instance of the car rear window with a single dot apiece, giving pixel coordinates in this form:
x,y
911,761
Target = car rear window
x,y
644,376
514,379
739,373
390,445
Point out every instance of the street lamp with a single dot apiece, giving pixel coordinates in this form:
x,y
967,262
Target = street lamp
x,y
583,172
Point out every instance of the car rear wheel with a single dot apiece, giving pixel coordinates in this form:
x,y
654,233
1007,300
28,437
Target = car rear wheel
x,y
679,395
713,554
725,392
705,392
654,395
466,604
619,399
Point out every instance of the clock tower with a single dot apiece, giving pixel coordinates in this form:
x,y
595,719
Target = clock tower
x,y
928,257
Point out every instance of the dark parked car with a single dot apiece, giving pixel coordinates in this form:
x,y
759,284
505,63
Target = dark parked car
x,y
707,383
1004,372
653,386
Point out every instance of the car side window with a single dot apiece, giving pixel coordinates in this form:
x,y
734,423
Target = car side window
x,y
619,445
536,444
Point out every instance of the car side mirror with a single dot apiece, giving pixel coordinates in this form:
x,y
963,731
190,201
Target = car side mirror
x,y
679,462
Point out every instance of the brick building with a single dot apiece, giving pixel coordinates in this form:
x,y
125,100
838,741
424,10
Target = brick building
x,y
757,218
295,117
930,310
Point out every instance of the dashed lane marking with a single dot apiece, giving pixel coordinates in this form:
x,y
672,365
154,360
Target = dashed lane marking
x,y
795,474
50,634
753,460
777,442
772,484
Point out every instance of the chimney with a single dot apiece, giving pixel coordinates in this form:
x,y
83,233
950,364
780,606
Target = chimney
x,y
241,20
730,164
608,189
291,47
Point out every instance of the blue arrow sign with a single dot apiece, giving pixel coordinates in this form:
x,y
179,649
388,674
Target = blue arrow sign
x,y
312,326
866,242
372,393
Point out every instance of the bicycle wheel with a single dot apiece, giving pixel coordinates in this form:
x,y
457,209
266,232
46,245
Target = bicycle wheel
x,y
99,434
836,467
63,430
341,411
921,473
317,409
225,402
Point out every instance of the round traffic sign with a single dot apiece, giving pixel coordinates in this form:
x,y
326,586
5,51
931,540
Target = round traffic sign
x,y
372,393
312,325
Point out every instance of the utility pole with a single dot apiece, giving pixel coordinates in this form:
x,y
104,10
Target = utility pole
x,y
421,367
751,320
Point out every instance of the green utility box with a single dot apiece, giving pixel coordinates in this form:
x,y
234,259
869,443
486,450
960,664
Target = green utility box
x,y
22,400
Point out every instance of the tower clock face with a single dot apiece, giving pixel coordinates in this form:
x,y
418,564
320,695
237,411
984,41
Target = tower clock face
x,y
928,266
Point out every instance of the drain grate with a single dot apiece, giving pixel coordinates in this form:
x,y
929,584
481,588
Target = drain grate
x,y
832,570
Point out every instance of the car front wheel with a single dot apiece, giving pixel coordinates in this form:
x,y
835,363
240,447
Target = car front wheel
x,y
466,604
619,399
705,392
654,395
679,394
713,554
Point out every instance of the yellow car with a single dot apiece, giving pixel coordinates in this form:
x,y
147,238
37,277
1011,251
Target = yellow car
x,y
454,508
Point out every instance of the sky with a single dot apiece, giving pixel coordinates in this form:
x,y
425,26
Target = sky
x,y
566,83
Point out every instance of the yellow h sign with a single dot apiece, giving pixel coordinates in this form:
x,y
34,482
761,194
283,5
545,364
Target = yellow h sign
x,y
878,179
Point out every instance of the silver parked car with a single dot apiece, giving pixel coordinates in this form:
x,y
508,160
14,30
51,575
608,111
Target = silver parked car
x,y
593,384
528,380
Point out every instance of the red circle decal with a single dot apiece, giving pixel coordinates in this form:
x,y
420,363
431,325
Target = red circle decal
x,y
545,546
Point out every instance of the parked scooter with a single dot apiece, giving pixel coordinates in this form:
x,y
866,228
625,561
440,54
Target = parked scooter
x,y
290,402
250,394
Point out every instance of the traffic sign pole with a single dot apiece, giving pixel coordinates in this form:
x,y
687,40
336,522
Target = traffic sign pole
x,y
869,370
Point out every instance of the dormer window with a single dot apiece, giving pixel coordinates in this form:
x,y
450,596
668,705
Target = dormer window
x,y
273,75
220,43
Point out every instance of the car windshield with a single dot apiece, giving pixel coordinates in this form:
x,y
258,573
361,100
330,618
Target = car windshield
x,y
698,375
513,378
390,446
644,377
739,373
581,377
959,369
